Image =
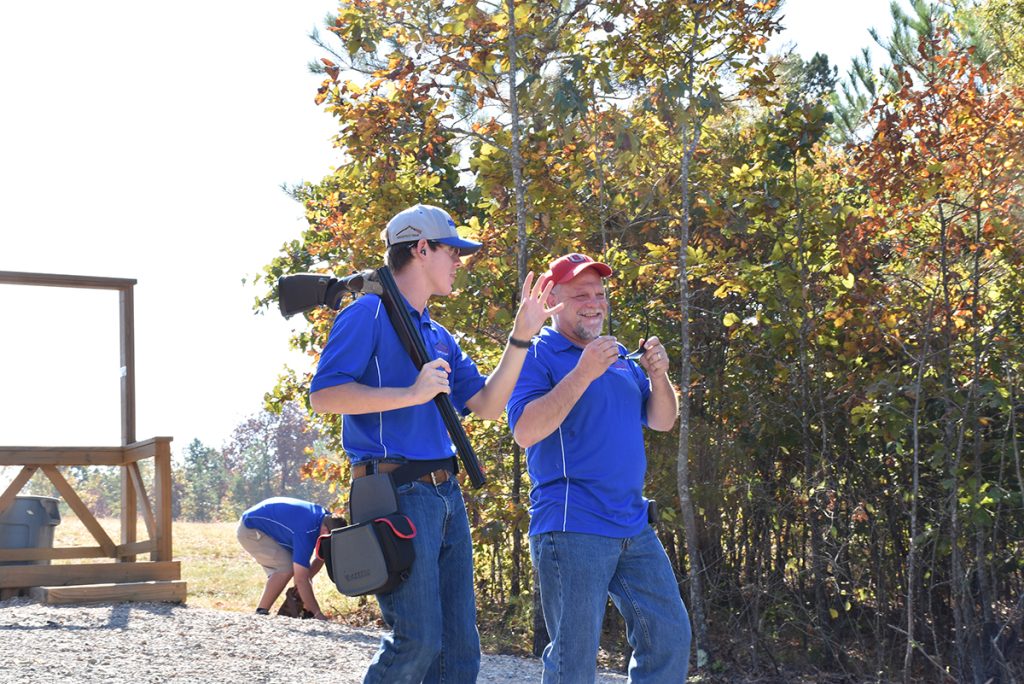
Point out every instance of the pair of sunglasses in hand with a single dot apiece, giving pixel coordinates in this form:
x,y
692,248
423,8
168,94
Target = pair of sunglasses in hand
x,y
634,355
639,351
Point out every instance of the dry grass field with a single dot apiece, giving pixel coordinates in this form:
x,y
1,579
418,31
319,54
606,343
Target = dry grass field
x,y
218,571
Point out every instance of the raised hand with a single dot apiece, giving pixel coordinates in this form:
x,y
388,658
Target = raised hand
x,y
432,380
533,311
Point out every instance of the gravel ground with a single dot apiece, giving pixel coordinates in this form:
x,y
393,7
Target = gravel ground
x,y
157,642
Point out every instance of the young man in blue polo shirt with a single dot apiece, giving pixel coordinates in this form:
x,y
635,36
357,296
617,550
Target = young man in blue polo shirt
x,y
390,421
579,409
280,534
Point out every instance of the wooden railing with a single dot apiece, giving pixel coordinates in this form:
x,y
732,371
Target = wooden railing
x,y
135,499
154,505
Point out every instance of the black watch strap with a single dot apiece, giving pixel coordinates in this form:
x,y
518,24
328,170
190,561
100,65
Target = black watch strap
x,y
522,344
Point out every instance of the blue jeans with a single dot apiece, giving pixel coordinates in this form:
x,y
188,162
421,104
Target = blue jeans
x,y
432,615
578,572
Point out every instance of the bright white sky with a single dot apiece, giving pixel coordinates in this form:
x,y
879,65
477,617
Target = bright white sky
x,y
148,141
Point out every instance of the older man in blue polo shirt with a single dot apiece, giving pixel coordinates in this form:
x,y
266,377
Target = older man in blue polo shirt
x,y
579,409
390,422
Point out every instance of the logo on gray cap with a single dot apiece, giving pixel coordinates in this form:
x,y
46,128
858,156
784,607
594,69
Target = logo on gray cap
x,y
408,233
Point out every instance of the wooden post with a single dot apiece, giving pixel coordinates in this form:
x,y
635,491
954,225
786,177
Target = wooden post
x,y
162,499
127,309
129,518
128,512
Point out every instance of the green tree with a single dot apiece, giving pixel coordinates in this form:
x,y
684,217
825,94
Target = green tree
x,y
267,455
678,58
206,481
944,171
998,23
847,473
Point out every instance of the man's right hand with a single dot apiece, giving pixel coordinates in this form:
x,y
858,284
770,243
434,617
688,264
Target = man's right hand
x,y
432,380
597,357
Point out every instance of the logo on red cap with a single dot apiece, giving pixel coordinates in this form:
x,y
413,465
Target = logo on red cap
x,y
565,268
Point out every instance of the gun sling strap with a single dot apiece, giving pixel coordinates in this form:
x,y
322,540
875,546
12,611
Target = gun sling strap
x,y
414,346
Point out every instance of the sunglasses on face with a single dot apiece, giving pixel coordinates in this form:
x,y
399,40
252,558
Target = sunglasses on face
x,y
454,252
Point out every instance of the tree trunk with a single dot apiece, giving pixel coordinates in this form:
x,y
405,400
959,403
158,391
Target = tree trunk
x,y
813,472
914,493
987,628
698,612
540,635
958,589
515,125
517,533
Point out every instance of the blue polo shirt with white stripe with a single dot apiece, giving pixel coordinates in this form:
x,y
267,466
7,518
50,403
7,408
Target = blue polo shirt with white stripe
x,y
588,475
363,347
292,523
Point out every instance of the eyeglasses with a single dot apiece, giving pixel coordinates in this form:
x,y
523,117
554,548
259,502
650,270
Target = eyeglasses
x,y
639,351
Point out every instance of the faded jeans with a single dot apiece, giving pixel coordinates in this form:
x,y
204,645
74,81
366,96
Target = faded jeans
x,y
432,615
577,573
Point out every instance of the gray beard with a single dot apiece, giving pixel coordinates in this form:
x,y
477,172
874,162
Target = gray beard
x,y
581,332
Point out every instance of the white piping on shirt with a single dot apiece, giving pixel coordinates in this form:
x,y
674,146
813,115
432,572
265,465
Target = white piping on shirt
x,y
380,416
380,383
565,474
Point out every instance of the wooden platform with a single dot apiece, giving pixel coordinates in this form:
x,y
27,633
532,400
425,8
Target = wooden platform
x,y
22,576
120,577
168,590
96,582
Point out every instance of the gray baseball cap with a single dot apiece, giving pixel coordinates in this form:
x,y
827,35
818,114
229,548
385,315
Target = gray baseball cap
x,y
426,222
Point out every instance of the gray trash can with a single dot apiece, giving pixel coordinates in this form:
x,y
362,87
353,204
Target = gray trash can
x,y
28,524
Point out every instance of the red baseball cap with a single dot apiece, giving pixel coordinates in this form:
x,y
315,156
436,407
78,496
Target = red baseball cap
x,y
565,268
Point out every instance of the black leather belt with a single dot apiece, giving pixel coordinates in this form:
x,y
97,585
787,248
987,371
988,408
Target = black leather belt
x,y
434,471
